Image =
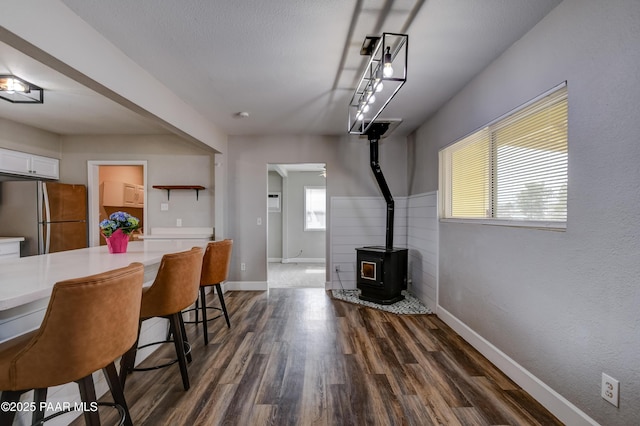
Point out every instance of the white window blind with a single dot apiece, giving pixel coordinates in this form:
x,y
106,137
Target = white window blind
x,y
470,176
514,169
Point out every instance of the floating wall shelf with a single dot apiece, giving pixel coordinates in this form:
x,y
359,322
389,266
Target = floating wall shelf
x,y
168,188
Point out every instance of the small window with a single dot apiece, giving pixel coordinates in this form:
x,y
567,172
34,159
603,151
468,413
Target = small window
x,y
513,170
315,206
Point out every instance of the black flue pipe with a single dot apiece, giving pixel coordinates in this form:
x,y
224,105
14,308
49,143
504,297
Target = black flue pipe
x,y
374,133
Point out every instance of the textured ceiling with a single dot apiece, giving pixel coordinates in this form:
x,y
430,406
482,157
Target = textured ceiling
x,y
292,64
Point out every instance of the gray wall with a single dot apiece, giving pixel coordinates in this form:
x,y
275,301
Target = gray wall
x,y
274,250
311,243
565,305
170,161
20,137
348,174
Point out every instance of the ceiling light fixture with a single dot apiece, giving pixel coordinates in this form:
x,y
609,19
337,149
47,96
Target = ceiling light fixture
x,y
384,75
18,91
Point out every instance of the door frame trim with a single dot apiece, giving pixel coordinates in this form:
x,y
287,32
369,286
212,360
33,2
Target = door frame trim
x,y
93,193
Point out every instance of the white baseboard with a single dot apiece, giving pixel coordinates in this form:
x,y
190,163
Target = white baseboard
x,y
545,395
304,260
245,286
274,260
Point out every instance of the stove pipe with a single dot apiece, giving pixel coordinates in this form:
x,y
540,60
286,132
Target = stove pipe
x,y
374,133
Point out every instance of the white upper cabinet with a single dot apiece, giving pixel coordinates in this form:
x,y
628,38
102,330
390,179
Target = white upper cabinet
x,y
133,195
121,194
24,164
139,196
45,167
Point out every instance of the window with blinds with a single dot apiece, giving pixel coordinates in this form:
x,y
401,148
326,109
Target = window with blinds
x,y
514,169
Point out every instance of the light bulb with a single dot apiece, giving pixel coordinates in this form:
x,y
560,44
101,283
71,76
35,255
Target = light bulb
x,y
365,108
379,87
360,116
6,85
371,98
14,85
387,70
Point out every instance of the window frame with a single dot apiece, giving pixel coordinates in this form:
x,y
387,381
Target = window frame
x,y
445,173
304,211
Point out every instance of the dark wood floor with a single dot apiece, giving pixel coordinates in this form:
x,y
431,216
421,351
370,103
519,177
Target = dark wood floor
x,y
298,357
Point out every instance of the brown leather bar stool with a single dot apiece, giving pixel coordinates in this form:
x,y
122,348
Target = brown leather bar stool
x,y
215,269
174,289
89,323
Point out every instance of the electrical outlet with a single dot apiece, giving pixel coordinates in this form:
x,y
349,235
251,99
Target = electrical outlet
x,y
178,222
337,268
243,266
610,389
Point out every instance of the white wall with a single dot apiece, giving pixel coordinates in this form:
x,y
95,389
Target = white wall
x,y
170,161
361,221
562,305
422,242
358,222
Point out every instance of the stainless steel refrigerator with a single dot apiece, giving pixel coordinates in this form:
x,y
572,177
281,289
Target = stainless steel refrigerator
x,y
50,216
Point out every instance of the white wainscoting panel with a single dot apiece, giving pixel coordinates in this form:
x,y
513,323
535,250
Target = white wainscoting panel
x,y
422,241
358,222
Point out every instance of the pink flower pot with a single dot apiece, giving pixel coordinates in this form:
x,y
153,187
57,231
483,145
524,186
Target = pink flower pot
x,y
117,242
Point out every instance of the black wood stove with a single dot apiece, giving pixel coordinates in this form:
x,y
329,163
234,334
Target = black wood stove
x,y
382,274
381,271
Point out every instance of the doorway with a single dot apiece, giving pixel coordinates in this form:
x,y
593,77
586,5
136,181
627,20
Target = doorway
x,y
296,225
115,186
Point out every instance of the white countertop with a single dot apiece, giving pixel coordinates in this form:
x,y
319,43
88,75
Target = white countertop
x,y
31,278
11,239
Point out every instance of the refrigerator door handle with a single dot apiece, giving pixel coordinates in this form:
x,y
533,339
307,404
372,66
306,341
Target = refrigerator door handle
x,y
47,217
48,242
